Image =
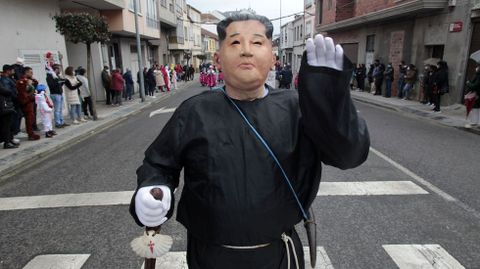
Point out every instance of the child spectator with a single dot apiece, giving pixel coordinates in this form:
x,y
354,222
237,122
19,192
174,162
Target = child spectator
x,y
45,106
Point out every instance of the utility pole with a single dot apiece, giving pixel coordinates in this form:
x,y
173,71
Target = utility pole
x,y
139,53
281,35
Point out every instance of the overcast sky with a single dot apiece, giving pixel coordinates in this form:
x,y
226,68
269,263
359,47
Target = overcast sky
x,y
269,8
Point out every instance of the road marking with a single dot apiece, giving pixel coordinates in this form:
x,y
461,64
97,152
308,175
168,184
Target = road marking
x,y
124,197
162,111
66,200
370,188
178,260
70,261
427,184
323,261
421,256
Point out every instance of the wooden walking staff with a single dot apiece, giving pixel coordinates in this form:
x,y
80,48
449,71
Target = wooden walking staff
x,y
152,244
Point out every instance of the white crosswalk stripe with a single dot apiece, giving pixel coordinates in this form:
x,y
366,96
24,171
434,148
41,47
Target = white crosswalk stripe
x,y
57,261
422,256
178,260
66,200
368,188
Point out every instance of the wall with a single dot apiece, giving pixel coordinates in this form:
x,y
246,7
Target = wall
x,y
77,55
28,25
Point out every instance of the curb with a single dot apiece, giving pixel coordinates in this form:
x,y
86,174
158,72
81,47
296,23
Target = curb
x,y
416,112
110,121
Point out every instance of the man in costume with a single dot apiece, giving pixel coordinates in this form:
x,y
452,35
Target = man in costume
x,y
237,208
26,97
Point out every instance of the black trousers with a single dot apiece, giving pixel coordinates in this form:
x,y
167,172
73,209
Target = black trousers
x,y
5,128
436,101
201,255
108,95
378,86
87,103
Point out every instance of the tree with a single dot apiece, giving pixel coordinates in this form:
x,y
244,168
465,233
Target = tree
x,y
83,28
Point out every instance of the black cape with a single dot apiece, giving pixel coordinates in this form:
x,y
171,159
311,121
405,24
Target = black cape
x,y
234,193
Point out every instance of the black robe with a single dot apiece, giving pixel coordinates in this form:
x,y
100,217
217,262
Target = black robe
x,y
234,193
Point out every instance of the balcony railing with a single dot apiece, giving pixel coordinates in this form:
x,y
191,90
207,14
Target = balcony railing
x,y
176,40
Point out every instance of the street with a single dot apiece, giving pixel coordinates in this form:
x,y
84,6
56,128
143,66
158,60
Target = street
x,y
413,203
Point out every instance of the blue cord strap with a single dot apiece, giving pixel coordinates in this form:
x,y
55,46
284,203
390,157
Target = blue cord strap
x,y
259,136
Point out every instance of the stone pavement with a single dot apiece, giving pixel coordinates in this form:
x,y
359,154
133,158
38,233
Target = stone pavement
x,y
453,115
32,152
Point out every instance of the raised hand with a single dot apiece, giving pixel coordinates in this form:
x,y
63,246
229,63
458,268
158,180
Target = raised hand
x,y
322,52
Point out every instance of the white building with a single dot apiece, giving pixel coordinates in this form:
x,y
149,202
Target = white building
x,y
28,31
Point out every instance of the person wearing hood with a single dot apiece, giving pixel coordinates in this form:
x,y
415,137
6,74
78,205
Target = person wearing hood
x,y
45,106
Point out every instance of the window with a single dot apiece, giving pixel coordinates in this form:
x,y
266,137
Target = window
x,y
301,31
329,4
435,51
152,16
163,3
308,29
180,33
319,11
139,6
370,43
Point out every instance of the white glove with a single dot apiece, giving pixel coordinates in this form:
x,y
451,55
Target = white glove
x,y
152,212
323,52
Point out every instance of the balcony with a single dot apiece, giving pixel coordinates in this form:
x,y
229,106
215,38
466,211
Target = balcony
x,y
167,17
411,8
95,4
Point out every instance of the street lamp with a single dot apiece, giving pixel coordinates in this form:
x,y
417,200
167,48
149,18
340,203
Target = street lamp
x,y
139,53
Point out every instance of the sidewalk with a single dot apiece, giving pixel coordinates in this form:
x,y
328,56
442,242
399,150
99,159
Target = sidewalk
x,y
453,116
32,152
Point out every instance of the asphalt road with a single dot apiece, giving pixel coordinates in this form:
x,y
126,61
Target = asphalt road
x,y
353,229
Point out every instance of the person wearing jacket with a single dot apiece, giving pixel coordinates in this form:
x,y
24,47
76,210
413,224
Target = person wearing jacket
x,y
117,87
85,94
360,76
26,97
388,74
55,84
378,77
6,79
474,86
71,86
6,117
237,208
106,82
410,78
440,84
128,84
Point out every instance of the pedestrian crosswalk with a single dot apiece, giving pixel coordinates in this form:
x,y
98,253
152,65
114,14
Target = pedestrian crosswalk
x,y
429,256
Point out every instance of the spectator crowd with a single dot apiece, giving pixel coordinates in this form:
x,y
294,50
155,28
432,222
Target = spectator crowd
x,y
379,79
23,97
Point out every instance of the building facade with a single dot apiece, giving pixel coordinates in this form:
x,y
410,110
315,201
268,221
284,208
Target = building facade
x,y
408,30
28,27
286,43
210,45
